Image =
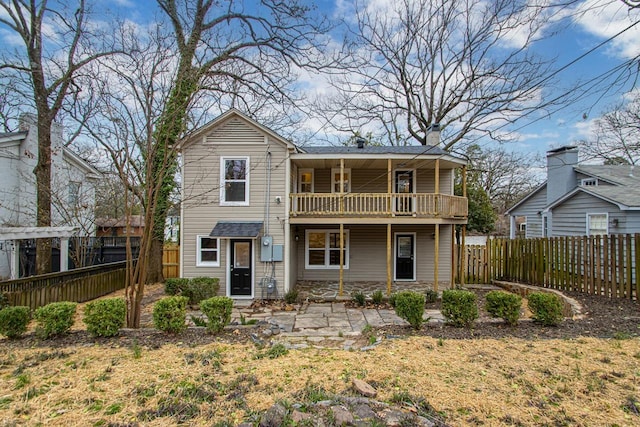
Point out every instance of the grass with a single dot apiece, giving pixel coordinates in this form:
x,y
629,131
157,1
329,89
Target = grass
x,y
468,382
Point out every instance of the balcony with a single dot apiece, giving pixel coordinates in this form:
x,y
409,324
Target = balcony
x,y
378,205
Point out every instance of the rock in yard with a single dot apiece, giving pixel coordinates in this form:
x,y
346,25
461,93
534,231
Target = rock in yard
x,y
363,388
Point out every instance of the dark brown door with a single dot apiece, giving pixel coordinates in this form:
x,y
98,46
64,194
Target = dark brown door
x,y
240,268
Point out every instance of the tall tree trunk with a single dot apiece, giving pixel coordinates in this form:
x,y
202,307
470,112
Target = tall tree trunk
x,y
154,270
42,172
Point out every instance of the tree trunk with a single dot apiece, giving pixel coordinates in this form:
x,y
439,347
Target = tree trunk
x,y
154,265
42,172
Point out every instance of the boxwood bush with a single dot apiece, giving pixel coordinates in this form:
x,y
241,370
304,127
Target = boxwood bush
x,y
218,311
410,307
55,318
201,288
504,305
459,307
546,308
430,296
175,286
105,317
170,314
14,321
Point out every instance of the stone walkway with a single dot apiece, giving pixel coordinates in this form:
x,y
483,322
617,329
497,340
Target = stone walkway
x,y
327,324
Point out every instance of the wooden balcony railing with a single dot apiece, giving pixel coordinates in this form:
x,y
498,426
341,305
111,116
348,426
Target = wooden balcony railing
x,y
378,205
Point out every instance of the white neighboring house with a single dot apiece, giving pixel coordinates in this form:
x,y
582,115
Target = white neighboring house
x,y
72,184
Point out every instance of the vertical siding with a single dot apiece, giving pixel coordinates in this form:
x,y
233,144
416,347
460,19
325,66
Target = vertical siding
x,y
201,204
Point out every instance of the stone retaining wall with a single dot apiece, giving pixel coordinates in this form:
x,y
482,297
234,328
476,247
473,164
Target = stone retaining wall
x,y
572,308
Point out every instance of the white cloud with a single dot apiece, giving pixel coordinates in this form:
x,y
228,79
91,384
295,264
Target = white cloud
x,y
606,18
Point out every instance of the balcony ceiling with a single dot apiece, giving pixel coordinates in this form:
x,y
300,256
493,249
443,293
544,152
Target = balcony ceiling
x,y
371,163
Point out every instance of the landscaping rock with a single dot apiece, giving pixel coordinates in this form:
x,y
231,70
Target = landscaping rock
x,y
363,388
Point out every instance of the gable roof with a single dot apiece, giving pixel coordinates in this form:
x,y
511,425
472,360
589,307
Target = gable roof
x,y
527,197
193,136
615,174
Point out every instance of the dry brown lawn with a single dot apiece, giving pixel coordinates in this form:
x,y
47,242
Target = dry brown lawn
x,y
469,382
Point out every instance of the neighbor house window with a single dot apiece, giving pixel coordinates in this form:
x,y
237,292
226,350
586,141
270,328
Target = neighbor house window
x,y
322,249
335,180
589,182
597,224
74,193
208,252
305,181
234,181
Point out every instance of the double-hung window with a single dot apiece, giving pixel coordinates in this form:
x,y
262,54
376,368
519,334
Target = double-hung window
x,y
207,252
322,249
335,180
74,193
305,181
597,224
234,181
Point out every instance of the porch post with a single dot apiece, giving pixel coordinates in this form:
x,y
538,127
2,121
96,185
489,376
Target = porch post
x,y
436,257
453,257
15,259
463,248
437,180
341,192
389,244
389,186
64,254
340,291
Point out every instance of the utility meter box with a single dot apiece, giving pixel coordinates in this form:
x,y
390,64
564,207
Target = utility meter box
x,y
278,253
266,248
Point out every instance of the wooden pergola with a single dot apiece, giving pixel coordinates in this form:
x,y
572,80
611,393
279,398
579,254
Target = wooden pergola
x,y
13,235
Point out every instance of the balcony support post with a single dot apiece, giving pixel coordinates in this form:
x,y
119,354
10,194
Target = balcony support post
x,y
389,187
389,245
341,282
342,186
436,257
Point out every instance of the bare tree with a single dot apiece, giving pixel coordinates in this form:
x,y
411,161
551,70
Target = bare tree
x,y
211,56
464,65
56,46
616,137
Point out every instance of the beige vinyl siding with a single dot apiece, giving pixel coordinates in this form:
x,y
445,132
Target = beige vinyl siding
x,y
368,253
201,204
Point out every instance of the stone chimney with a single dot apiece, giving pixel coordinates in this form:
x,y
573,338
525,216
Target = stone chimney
x,y
433,134
561,177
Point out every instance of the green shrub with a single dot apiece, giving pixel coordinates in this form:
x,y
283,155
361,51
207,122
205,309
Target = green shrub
x,y
377,297
55,318
459,307
359,298
546,308
14,321
105,317
170,313
430,296
218,312
504,305
392,299
410,307
175,286
4,300
291,297
201,288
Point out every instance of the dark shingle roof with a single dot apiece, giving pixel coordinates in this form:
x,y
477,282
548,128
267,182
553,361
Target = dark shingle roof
x,y
409,149
236,229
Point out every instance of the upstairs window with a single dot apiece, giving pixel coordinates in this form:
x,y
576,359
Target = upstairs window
x,y
305,181
234,181
335,181
74,193
597,224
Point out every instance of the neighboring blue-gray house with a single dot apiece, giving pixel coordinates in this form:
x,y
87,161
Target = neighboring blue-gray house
x,y
579,199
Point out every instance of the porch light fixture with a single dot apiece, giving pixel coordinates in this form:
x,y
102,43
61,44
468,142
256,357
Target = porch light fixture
x,y
296,236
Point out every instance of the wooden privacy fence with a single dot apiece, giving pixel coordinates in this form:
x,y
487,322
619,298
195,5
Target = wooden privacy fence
x,y
171,262
79,285
598,265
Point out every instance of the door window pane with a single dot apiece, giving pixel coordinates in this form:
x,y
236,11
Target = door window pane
x,y
242,255
405,246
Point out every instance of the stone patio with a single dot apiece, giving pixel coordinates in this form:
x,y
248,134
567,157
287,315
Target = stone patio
x,y
316,290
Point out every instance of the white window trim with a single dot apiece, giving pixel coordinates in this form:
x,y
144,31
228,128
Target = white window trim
x,y
334,171
199,262
223,181
326,265
588,222
313,179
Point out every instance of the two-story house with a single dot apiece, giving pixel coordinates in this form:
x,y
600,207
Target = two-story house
x,y
72,188
579,199
263,215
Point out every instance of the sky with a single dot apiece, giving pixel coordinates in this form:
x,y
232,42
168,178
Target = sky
x,y
569,34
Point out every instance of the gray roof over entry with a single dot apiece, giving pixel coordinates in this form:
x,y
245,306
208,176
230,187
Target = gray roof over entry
x,y
236,229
